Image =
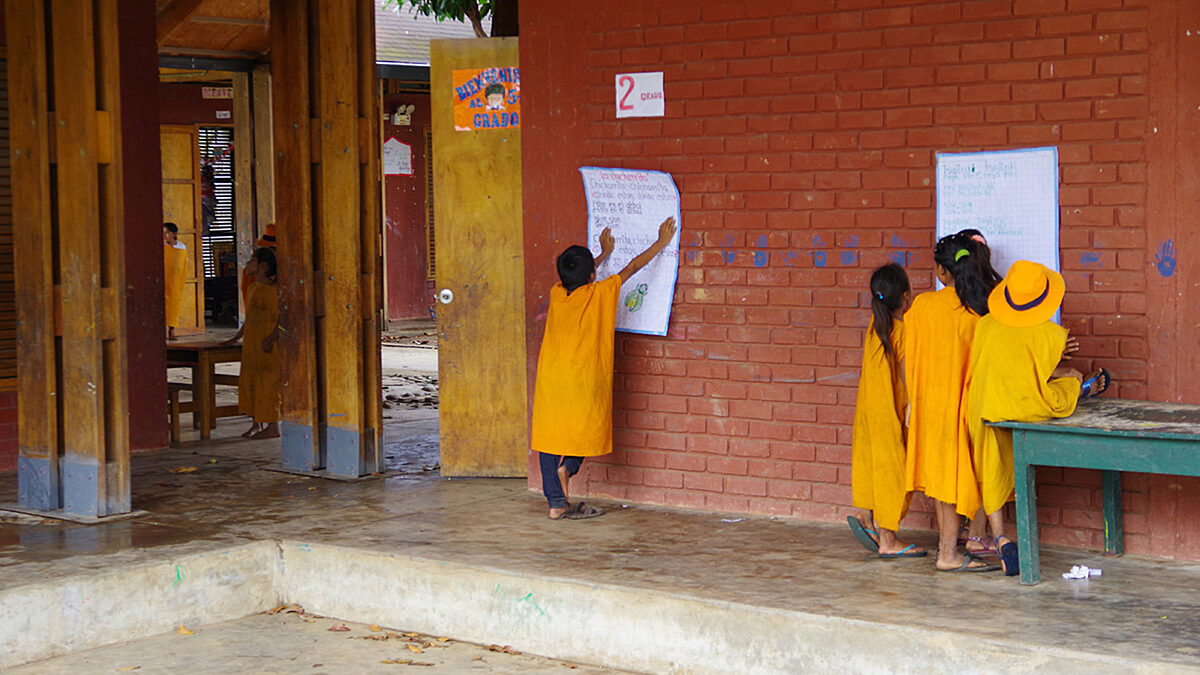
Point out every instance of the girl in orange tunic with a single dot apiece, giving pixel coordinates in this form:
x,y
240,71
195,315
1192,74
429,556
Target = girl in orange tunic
x,y
937,339
258,383
572,396
877,452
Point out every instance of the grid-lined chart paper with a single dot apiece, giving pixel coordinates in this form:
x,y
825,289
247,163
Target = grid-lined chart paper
x,y
1011,196
634,203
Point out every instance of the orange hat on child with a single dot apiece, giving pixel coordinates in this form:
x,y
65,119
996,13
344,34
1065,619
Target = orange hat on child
x,y
1029,294
268,238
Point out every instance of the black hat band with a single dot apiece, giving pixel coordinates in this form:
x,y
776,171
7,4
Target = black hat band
x,y
1028,305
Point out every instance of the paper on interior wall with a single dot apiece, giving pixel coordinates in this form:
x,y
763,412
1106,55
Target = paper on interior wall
x,y
1011,196
633,204
397,158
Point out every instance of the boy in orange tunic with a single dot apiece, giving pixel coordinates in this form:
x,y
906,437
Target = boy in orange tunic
x,y
572,399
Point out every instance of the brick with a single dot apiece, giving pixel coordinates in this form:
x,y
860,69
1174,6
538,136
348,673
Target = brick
x,y
1000,114
1066,68
1078,131
987,51
1123,107
910,77
746,485
726,503
985,93
1061,25
1012,71
934,95
749,447
703,482
1121,64
1093,44
1010,29
1039,48
1065,110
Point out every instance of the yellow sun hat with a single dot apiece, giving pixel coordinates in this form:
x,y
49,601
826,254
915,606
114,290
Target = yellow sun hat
x,y
1029,294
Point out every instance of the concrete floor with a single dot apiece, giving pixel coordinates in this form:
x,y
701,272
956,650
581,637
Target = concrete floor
x,y
1140,615
289,643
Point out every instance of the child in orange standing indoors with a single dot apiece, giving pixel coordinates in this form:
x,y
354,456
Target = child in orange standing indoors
x,y
258,383
572,399
1015,373
877,451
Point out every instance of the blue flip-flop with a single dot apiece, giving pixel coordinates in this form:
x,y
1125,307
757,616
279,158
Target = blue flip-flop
x,y
1010,558
1092,387
863,535
906,552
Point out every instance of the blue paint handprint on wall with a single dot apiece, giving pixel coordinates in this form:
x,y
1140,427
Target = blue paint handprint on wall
x,y
1165,258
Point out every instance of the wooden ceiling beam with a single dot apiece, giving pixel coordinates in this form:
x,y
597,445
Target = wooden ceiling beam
x,y
174,15
230,21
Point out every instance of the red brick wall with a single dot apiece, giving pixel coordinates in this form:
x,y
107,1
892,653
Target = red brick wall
x,y
802,136
409,292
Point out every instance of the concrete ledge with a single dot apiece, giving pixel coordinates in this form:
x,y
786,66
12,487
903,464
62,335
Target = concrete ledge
x,y
52,618
639,630
621,627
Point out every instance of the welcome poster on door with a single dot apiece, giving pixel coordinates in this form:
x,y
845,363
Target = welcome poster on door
x,y
487,98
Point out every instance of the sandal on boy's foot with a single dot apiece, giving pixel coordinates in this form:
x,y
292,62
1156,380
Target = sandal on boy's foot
x,y
968,559
564,514
989,546
868,538
906,552
581,511
1095,385
1009,556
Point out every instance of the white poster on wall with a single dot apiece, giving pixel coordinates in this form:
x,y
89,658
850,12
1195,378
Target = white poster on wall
x,y
633,204
640,95
1011,196
397,158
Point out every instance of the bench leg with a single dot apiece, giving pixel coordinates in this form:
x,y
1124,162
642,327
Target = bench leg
x,y
173,404
1114,529
1027,528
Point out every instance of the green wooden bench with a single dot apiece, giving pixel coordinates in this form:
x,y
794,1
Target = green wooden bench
x,y
1112,435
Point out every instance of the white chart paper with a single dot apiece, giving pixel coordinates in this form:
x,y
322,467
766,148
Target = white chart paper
x,y
633,204
1010,196
397,158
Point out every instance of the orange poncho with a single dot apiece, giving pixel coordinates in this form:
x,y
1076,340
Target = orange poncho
x,y
1009,381
572,399
258,384
877,452
937,340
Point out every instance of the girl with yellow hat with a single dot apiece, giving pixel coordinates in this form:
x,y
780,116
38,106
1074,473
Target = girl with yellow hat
x,y
1015,374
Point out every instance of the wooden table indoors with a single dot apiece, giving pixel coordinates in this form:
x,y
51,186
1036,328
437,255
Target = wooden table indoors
x,y
202,357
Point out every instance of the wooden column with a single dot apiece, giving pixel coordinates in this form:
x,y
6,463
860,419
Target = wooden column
x,y
245,232
69,252
327,216
264,161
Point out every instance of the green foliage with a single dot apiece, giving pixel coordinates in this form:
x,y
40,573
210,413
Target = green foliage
x,y
471,11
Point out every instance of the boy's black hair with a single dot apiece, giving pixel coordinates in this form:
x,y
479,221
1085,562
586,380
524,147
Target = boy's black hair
x,y
888,286
969,262
494,88
266,256
171,227
575,267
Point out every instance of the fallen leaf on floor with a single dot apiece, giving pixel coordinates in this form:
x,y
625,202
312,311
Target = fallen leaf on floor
x,y
318,665
478,658
182,630
443,639
121,670
212,461
184,469
339,628
314,487
373,628
401,661
503,650
415,649
287,609
412,635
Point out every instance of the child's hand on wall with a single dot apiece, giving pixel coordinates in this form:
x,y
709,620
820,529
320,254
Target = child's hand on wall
x,y
666,230
1071,347
606,242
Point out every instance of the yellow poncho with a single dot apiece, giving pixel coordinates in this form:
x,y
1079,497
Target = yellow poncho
x,y
877,452
258,384
937,340
175,260
572,399
1009,381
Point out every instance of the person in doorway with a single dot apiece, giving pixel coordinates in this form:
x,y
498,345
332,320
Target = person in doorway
x,y
1016,372
267,240
572,400
258,383
175,259
877,449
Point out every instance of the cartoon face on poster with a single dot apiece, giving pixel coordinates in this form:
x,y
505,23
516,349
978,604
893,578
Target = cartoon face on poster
x,y
487,98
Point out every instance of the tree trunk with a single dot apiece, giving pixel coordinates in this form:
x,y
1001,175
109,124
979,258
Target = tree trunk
x,y
504,18
472,11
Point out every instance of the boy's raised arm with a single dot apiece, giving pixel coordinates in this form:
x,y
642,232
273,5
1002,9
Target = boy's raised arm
x,y
606,246
665,232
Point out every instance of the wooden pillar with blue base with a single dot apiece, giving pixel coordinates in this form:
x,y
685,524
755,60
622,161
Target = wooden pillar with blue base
x,y
327,208
69,262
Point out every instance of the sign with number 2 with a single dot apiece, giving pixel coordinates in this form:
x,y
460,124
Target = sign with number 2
x,y
640,95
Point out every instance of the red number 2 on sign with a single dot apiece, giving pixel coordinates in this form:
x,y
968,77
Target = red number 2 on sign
x,y
625,81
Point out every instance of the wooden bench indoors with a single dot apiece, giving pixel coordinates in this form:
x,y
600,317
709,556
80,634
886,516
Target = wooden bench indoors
x,y
1112,435
175,407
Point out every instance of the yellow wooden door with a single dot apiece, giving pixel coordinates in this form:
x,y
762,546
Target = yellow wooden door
x,y
181,205
480,275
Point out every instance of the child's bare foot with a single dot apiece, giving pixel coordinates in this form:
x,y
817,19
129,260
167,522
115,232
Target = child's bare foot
x,y
557,514
889,545
959,562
